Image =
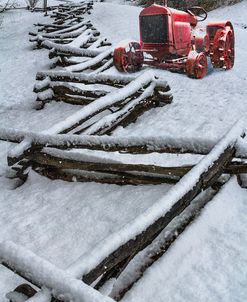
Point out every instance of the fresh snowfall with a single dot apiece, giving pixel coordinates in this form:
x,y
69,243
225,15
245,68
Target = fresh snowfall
x,y
53,225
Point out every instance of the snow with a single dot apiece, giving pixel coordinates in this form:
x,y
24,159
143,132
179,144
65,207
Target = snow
x,y
46,274
208,262
69,48
87,262
62,221
85,65
111,119
211,105
105,101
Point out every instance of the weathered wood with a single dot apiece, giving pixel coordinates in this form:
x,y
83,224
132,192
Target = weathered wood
x,y
24,276
127,117
72,51
44,158
156,251
73,100
99,110
92,64
132,144
31,266
145,237
132,114
105,178
73,77
73,95
67,163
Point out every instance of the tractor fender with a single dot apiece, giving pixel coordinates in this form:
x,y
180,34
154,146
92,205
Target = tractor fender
x,y
212,28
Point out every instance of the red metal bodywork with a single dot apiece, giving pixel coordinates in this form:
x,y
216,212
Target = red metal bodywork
x,y
171,40
179,32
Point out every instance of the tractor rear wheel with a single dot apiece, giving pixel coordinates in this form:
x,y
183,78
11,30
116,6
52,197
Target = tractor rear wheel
x,y
128,58
196,65
223,53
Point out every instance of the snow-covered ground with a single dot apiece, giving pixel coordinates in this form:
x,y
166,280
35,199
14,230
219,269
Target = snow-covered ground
x,y
60,221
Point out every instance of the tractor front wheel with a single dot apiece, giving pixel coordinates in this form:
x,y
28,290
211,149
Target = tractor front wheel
x,y
196,65
128,58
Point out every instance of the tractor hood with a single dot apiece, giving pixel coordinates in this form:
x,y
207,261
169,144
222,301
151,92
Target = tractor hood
x,y
155,10
176,15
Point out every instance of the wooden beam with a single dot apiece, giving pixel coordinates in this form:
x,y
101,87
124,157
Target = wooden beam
x,y
99,177
73,77
146,236
104,166
162,244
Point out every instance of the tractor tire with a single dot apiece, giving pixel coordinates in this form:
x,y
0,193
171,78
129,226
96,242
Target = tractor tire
x,y
196,65
128,58
223,50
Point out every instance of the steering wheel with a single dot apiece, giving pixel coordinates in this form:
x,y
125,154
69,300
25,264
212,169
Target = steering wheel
x,y
199,12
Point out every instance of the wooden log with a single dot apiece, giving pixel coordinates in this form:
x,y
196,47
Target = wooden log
x,y
44,274
94,63
72,99
62,90
105,178
127,115
122,118
132,144
52,26
159,247
59,162
146,236
56,51
72,77
175,172
108,64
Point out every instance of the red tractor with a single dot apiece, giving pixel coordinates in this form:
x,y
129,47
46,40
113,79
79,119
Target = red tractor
x,y
170,39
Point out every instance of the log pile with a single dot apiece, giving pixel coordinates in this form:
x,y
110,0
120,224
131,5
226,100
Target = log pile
x,y
108,101
98,116
71,37
63,86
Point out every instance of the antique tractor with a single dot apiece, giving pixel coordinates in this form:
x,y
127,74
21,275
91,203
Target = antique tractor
x,y
171,39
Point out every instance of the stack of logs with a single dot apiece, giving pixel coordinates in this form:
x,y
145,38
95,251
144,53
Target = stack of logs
x,y
71,37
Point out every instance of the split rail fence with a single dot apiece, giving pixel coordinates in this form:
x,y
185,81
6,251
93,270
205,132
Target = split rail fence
x,y
148,236
80,148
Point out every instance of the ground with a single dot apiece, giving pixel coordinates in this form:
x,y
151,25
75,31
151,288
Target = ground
x,y
61,221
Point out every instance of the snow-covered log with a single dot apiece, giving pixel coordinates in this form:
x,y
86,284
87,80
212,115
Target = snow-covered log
x,y
43,273
94,63
129,113
135,236
68,93
106,102
59,50
137,267
99,105
62,29
131,144
106,79
70,161
66,35
118,178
